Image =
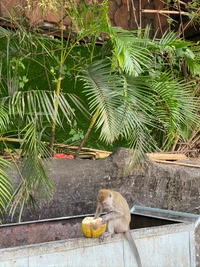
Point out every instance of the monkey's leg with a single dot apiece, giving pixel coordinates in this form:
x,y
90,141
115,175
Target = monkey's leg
x,y
109,232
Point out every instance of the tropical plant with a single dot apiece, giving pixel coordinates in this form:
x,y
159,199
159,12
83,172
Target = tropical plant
x,y
5,185
34,110
190,10
131,87
141,94
139,108
24,118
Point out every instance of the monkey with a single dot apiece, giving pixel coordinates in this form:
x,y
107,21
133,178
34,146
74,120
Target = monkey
x,y
118,217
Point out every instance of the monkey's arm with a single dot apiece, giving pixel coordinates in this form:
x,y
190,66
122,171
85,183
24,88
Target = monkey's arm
x,y
112,215
98,211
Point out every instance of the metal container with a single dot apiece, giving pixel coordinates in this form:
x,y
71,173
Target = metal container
x,y
164,239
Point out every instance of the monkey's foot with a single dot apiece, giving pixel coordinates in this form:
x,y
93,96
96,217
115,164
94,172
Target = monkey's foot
x,y
105,235
101,238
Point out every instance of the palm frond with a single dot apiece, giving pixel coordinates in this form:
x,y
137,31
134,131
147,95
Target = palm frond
x,y
6,187
4,117
137,118
168,37
174,100
131,53
35,182
103,88
141,141
175,109
40,104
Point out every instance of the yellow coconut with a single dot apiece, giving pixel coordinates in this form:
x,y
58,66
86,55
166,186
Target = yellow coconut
x,y
92,228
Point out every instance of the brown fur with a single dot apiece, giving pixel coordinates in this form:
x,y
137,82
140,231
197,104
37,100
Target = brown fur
x,y
118,217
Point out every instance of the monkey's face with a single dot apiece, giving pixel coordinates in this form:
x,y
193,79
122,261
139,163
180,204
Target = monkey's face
x,y
105,198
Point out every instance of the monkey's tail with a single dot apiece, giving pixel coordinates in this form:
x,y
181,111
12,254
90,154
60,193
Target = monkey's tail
x,y
134,247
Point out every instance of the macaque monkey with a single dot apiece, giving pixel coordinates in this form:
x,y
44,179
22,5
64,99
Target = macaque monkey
x,y
118,217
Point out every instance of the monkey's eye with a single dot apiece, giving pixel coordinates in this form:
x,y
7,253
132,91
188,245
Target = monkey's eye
x,y
110,195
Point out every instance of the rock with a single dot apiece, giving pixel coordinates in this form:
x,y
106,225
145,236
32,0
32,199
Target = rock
x,y
118,2
122,17
112,9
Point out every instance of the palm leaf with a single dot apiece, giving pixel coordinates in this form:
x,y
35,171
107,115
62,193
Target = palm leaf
x,y
175,99
131,52
34,177
4,117
103,88
5,185
40,104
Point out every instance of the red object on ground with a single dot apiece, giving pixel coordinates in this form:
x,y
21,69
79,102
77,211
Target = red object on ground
x,y
63,156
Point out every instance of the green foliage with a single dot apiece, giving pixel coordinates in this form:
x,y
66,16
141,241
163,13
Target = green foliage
x,y
191,10
133,88
35,183
34,108
130,51
136,107
5,185
75,133
174,55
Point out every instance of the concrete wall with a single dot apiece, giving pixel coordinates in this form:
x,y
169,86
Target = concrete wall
x,y
166,246
77,183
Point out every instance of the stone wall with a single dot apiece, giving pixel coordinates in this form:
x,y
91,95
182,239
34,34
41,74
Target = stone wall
x,y
131,15
126,14
77,183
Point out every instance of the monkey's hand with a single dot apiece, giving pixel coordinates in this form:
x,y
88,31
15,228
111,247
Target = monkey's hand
x,y
104,219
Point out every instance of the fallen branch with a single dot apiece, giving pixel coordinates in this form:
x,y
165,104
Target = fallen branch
x,y
83,148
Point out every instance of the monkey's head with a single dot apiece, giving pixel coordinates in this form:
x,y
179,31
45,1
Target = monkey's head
x,y
105,198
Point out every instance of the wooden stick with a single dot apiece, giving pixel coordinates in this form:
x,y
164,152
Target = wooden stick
x,y
176,163
134,14
166,156
8,139
140,15
164,11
